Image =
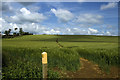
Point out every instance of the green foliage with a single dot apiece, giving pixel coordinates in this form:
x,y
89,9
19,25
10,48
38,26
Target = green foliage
x,y
66,59
9,31
71,41
53,74
26,62
6,32
22,55
21,31
103,57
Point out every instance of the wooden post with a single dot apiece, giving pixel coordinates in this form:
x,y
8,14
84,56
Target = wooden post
x,y
44,65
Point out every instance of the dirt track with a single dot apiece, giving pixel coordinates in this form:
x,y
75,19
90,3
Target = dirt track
x,y
90,70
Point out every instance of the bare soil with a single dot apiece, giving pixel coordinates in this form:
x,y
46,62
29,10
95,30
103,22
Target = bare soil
x,y
90,70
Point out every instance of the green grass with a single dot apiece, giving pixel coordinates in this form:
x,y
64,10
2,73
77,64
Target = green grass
x,y
22,55
105,58
38,41
26,62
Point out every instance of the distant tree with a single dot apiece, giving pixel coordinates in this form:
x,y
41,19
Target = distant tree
x,y
26,33
15,31
17,34
14,34
9,31
6,33
0,34
21,31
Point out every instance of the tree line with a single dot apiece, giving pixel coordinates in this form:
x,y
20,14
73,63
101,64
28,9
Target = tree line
x,y
21,32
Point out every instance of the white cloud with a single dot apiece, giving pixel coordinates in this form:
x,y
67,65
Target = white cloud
x,y
25,11
62,14
31,27
74,31
41,29
26,16
5,25
78,31
0,24
108,33
89,18
52,31
84,25
109,5
68,29
92,31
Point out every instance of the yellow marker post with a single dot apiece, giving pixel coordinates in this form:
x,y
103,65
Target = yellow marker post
x,y
44,64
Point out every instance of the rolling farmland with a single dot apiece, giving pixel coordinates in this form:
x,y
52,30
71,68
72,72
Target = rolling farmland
x,y
22,55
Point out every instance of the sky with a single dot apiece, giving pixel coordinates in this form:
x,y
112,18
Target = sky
x,y
64,18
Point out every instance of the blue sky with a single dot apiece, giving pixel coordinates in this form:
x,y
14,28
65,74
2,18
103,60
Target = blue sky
x,y
72,18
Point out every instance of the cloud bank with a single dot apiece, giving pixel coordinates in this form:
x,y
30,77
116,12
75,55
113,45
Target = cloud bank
x,y
57,19
25,16
63,15
108,6
89,18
